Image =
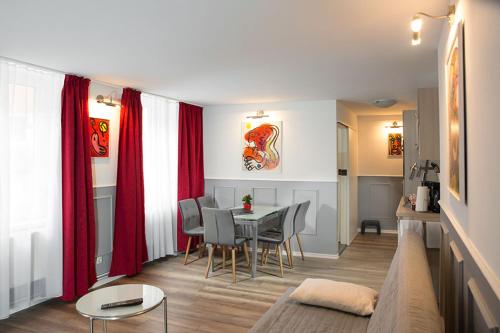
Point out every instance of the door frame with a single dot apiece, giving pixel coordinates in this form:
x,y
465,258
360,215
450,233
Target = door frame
x,y
343,197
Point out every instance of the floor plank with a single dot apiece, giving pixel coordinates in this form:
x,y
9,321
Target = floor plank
x,y
216,304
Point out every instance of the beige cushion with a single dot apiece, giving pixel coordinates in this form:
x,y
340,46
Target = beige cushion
x,y
342,296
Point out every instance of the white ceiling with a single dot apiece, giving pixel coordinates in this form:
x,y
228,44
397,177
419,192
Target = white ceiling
x,y
231,51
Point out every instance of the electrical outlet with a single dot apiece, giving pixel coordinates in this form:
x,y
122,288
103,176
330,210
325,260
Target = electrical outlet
x,y
98,260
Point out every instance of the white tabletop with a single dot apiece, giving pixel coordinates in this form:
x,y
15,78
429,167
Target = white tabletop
x,y
90,304
258,212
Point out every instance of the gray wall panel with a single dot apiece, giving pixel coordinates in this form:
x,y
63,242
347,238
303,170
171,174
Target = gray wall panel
x,y
321,236
224,196
378,199
104,210
468,301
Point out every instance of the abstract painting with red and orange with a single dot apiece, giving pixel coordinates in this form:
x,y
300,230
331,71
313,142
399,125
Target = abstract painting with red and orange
x,y
99,137
261,146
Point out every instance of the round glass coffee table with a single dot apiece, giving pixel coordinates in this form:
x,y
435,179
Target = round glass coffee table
x,y
90,305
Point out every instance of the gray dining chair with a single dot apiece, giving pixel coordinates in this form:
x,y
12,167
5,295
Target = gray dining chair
x,y
220,231
280,239
206,201
191,223
300,223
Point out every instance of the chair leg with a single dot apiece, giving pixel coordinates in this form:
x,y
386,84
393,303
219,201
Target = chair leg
x,y
276,251
280,259
223,257
289,253
201,250
210,259
245,250
300,246
267,254
262,254
188,246
233,257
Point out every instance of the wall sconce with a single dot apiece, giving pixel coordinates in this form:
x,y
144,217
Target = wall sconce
x,y
258,115
109,102
394,125
416,23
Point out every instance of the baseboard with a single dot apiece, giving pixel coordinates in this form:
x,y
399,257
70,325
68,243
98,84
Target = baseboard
x,y
384,231
314,255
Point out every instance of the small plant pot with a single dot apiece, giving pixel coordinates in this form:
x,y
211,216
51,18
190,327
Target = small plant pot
x,y
247,206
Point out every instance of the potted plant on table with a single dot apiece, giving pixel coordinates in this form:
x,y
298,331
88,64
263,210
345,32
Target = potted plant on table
x,y
247,202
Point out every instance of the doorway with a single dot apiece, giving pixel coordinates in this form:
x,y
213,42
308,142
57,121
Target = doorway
x,y
342,186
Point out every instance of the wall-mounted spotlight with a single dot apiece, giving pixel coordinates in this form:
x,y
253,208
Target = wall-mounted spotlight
x,y
108,100
258,115
416,23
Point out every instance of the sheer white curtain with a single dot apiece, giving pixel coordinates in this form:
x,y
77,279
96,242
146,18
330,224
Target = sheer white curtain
x,y
30,186
159,141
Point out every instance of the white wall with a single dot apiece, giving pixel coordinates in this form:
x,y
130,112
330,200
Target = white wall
x,y
104,168
372,147
309,140
478,220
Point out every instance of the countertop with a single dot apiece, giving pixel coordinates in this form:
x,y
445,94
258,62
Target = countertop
x,y
404,211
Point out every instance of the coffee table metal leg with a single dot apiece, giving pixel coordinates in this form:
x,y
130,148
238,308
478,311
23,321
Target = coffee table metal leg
x,y
104,326
165,313
91,325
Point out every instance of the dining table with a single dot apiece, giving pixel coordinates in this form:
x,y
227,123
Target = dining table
x,y
255,219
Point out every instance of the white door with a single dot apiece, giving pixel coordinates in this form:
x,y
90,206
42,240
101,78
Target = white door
x,y
343,184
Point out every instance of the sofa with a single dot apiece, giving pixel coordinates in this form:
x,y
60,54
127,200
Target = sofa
x,y
406,302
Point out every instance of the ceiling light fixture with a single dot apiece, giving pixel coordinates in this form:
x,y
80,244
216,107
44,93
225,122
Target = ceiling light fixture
x,y
259,114
394,125
416,23
384,103
109,102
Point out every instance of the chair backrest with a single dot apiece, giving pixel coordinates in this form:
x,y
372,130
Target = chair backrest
x,y
219,226
287,221
210,225
300,218
190,214
206,201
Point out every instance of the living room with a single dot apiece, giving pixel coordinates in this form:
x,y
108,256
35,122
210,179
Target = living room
x,y
234,166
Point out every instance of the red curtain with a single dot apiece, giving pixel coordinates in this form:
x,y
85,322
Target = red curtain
x,y
77,197
191,178
129,244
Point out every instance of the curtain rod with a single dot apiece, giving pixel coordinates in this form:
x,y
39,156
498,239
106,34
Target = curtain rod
x,y
92,80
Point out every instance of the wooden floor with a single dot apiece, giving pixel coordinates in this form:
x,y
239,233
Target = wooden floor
x,y
217,305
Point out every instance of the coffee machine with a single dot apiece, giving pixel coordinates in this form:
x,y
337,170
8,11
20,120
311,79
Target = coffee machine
x,y
433,195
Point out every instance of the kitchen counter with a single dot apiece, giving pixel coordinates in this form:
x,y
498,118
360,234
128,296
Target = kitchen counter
x,y
404,211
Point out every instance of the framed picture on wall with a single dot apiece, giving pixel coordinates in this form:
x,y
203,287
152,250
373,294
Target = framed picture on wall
x,y
99,137
456,111
395,144
261,146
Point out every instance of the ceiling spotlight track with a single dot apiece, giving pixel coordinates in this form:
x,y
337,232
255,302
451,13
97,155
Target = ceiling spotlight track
x,y
416,23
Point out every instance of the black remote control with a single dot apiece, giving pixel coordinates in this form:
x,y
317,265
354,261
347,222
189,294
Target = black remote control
x,y
129,302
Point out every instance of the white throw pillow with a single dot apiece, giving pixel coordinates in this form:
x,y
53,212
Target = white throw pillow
x,y
342,296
